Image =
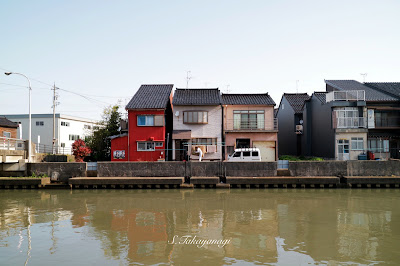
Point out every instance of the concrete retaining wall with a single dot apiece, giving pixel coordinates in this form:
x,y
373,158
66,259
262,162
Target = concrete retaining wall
x,y
250,168
143,169
64,170
373,168
316,168
207,169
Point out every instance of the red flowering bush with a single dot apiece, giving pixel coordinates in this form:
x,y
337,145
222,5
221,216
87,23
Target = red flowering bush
x,y
80,150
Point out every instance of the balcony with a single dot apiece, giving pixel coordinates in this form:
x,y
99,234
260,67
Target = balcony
x,y
251,125
387,122
351,122
345,96
11,144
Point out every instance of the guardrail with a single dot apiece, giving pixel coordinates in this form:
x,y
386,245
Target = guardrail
x,y
12,144
351,122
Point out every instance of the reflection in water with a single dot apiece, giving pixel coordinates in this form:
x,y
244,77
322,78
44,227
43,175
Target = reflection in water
x,y
285,227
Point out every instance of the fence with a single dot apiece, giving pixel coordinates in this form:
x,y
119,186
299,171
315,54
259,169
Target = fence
x,y
251,124
43,148
11,144
356,95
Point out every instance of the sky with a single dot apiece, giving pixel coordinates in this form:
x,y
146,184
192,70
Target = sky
x,y
99,52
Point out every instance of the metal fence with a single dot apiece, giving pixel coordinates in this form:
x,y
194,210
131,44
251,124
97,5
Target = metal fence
x,y
11,144
43,148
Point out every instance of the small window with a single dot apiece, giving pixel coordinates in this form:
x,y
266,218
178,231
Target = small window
x,y
39,123
159,144
194,117
357,144
145,120
62,145
146,146
254,154
87,127
246,154
73,137
65,124
6,134
236,154
95,128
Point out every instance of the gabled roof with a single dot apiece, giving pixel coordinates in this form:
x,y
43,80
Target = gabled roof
x,y
371,94
197,97
247,99
296,100
320,95
151,96
391,88
4,122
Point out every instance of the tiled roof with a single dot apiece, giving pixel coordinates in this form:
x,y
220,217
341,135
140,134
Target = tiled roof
x,y
154,96
4,122
197,97
371,94
296,100
391,88
247,99
320,95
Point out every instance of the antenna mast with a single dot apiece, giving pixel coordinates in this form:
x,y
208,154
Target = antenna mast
x,y
364,76
188,77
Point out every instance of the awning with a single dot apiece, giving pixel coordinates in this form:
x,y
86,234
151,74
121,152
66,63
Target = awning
x,y
181,134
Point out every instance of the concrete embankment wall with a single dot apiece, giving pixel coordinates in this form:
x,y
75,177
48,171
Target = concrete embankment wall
x,y
210,169
63,170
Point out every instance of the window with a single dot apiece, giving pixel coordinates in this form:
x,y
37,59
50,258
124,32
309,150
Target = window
x,y
245,119
255,153
343,146
73,137
39,123
150,120
357,144
378,145
246,154
159,144
145,146
195,117
65,124
236,154
205,141
6,134
87,127
62,145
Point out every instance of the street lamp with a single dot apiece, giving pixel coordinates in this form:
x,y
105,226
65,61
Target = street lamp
x,y
30,117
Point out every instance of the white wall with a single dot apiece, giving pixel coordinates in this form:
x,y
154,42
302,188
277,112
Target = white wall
x,y
210,130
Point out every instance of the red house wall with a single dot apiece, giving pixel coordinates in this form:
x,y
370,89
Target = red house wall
x,y
119,144
145,133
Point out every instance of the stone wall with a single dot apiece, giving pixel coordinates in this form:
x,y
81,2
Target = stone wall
x,y
151,169
63,170
316,168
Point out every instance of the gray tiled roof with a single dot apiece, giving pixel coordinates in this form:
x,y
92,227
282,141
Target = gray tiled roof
x,y
4,122
321,95
247,99
296,100
197,97
153,96
391,88
371,94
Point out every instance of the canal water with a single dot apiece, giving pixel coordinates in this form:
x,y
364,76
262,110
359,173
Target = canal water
x,y
200,227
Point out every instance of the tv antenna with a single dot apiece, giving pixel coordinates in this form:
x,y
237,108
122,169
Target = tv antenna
x,y
227,88
297,86
364,76
188,78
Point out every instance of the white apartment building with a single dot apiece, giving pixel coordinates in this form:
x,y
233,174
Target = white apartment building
x,y
67,130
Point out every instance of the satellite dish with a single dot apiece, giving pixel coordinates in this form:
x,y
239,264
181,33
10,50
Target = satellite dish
x,y
177,113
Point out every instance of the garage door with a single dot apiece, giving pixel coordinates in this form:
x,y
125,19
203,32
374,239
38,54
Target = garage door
x,y
267,149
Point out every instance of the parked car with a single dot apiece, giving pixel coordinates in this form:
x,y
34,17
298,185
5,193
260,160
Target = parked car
x,y
245,155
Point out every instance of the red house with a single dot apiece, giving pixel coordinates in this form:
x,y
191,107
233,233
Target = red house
x,y
149,126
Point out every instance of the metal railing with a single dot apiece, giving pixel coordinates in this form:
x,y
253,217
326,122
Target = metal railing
x,y
43,148
356,95
11,144
351,122
251,124
387,122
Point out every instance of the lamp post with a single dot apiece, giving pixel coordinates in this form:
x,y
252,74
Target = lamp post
x,y
30,117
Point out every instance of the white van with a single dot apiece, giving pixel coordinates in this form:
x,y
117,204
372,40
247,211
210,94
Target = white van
x,y
245,155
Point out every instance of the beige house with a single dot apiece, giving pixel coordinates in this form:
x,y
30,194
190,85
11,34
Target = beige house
x,y
249,122
197,123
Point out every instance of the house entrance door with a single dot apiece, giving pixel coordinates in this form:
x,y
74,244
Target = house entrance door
x,y
343,149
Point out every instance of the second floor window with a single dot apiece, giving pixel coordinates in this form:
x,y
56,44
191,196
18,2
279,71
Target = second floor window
x,y
245,119
150,120
195,117
65,124
39,123
73,137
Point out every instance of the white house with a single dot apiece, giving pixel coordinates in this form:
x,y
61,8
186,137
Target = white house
x,y
67,130
197,123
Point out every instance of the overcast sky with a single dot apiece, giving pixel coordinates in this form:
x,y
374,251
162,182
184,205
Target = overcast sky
x,y
104,50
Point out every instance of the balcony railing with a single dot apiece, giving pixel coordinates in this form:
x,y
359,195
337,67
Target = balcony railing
x,y
11,144
345,96
351,122
251,124
388,122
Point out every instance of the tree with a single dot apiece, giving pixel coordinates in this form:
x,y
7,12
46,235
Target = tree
x,y
100,142
80,150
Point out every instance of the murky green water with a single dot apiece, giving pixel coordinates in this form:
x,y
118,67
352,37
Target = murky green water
x,y
120,227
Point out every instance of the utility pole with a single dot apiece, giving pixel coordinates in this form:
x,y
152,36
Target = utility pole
x,y
55,103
